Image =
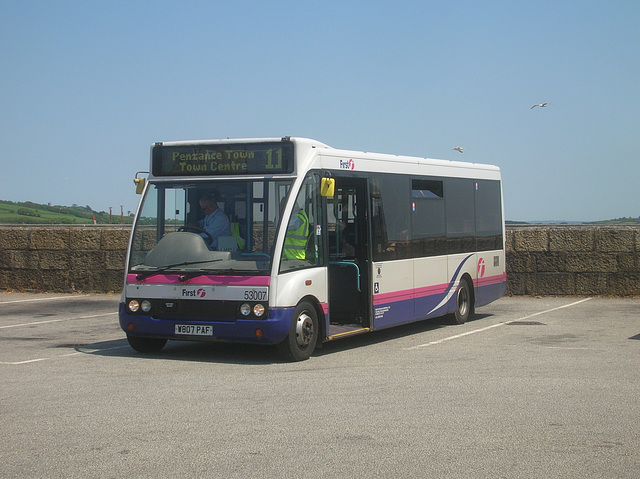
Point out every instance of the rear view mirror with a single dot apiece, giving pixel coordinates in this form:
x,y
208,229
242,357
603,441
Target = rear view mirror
x,y
327,186
139,182
139,185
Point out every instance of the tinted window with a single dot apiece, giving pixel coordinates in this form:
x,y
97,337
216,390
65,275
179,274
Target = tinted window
x,y
488,215
439,216
427,217
460,209
391,222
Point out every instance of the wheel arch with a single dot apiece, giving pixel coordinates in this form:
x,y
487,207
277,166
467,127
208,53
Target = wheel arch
x,y
322,320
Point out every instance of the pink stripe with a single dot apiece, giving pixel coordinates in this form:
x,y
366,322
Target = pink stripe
x,y
410,294
203,280
429,290
394,296
325,308
499,278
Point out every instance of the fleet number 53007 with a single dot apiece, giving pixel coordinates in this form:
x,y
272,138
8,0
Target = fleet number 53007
x,y
255,295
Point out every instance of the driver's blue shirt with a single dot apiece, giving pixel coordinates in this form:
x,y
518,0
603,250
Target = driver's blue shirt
x,y
216,224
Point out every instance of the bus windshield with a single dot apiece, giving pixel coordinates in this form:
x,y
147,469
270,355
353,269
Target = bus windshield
x,y
170,234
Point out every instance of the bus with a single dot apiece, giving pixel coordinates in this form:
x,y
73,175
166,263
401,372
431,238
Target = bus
x,y
377,241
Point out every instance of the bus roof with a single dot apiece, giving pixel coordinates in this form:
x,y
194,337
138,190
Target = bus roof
x,y
306,147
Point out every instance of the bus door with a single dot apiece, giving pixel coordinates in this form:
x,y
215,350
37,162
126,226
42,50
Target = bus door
x,y
349,295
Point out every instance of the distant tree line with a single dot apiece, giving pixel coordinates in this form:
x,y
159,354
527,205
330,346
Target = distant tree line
x,y
619,221
613,222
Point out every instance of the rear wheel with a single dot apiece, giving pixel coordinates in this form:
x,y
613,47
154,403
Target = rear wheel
x,y
146,345
303,335
463,303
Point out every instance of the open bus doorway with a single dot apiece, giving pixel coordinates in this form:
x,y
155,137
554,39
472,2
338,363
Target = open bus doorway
x,y
349,265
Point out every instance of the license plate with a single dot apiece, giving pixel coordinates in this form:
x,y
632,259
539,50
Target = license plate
x,y
194,330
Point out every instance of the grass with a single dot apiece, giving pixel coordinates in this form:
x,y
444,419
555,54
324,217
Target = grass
x,y
38,214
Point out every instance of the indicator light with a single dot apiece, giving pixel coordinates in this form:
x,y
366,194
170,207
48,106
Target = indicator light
x,y
258,310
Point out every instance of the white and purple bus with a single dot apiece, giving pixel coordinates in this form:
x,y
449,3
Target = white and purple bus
x,y
381,241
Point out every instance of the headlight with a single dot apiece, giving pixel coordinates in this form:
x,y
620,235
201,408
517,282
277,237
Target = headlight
x,y
245,309
258,310
145,306
134,306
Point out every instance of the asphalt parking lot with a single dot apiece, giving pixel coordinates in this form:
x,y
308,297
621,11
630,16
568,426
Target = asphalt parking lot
x,y
532,387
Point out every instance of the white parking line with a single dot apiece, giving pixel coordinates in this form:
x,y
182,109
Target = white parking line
x,y
552,309
457,336
76,353
14,363
45,299
56,320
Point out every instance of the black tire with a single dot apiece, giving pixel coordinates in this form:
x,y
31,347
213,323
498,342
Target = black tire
x,y
146,345
464,303
303,335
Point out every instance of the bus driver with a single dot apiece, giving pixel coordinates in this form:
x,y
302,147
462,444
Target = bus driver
x,y
216,222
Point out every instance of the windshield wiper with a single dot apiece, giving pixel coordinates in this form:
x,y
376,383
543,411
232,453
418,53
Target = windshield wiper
x,y
239,272
227,271
162,269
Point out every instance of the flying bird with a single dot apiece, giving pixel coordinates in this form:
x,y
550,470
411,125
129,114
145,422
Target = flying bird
x,y
541,105
459,148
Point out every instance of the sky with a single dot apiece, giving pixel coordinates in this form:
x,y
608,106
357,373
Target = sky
x,y
87,86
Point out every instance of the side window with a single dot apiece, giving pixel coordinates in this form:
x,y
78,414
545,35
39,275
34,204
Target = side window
x,y
428,217
488,215
391,221
303,246
461,219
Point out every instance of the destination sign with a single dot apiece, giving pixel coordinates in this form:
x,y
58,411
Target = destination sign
x,y
222,159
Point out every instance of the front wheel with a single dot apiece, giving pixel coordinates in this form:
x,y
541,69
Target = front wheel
x,y
146,345
303,335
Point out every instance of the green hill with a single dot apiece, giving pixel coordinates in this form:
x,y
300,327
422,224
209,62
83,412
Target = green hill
x,y
618,221
34,214
614,222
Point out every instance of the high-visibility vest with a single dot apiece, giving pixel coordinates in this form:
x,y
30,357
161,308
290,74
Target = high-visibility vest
x,y
235,231
295,243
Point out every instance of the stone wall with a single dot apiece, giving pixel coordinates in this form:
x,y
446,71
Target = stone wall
x,y
584,260
559,260
63,258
